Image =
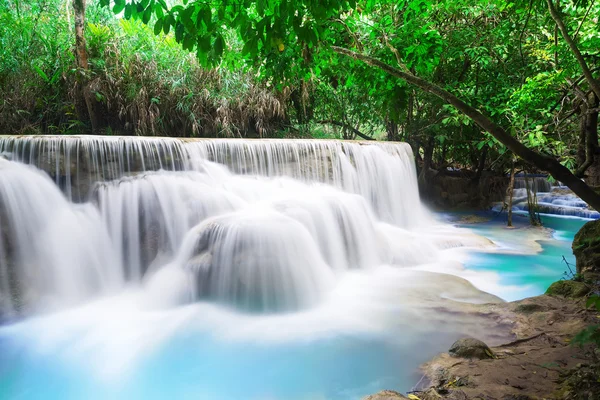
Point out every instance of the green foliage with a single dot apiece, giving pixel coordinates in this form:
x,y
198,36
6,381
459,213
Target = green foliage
x,y
502,57
591,334
142,84
244,67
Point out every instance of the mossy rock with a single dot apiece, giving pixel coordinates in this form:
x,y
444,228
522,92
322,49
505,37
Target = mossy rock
x,y
570,289
586,248
529,308
471,348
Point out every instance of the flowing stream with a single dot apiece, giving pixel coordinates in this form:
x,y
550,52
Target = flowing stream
x,y
146,268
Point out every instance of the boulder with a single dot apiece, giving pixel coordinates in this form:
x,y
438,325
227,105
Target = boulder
x,y
386,395
471,348
570,289
586,248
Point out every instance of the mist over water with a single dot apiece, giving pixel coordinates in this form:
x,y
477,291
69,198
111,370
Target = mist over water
x,y
133,265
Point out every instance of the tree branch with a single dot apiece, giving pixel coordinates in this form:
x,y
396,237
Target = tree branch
x,y
345,126
543,162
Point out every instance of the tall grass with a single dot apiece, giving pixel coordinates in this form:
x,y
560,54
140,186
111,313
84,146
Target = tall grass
x,y
142,84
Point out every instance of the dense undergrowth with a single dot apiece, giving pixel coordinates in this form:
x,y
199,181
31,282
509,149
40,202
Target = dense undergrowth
x,y
141,83
298,69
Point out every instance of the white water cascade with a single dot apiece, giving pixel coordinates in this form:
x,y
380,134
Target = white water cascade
x,y
257,225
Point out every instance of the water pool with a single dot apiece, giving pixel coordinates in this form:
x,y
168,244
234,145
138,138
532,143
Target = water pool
x,y
369,336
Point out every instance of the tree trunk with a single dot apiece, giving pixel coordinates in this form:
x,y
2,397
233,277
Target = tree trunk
x,y
534,216
543,162
481,165
427,161
589,134
581,144
590,169
391,128
511,190
82,62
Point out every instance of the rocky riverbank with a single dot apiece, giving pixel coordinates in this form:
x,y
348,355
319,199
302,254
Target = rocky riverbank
x,y
541,363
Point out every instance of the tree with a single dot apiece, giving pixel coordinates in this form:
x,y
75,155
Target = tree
x,y
284,36
82,62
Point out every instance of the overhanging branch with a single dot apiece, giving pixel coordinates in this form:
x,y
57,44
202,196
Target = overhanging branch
x,y
543,162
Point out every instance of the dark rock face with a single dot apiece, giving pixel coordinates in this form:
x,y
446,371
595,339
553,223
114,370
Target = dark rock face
x,y
570,289
458,191
586,248
470,348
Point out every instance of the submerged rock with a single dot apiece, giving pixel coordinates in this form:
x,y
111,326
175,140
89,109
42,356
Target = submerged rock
x,y
257,262
571,289
586,248
470,348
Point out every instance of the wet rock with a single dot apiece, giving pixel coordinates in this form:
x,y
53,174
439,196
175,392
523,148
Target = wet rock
x,y
458,189
473,219
471,348
586,248
386,395
570,289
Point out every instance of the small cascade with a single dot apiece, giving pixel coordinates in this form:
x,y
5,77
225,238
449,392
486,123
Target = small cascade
x,y
256,225
556,200
260,261
536,184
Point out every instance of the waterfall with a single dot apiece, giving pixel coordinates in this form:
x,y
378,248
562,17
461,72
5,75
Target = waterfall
x,y
258,225
536,184
52,253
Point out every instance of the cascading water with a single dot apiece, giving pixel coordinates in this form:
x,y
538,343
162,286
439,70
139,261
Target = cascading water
x,y
52,253
142,245
550,199
259,225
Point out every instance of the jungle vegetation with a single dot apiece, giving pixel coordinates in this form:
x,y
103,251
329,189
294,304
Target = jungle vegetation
x,y
469,84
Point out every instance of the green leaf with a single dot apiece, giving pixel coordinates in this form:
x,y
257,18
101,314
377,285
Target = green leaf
x,y
118,7
188,42
41,73
128,10
167,22
179,29
260,7
147,15
158,26
204,44
159,11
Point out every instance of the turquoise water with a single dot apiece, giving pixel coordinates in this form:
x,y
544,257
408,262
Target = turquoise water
x,y
196,365
199,368
531,273
125,357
